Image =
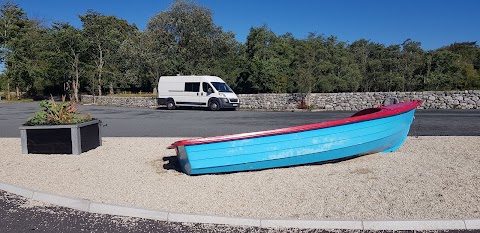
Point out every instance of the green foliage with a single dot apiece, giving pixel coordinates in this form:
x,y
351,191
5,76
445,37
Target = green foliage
x,y
19,41
185,40
110,55
270,60
105,34
68,57
3,82
52,113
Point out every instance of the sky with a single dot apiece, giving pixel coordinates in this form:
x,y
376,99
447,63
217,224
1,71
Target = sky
x,y
434,23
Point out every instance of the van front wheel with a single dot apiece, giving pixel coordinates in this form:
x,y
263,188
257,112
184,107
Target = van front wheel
x,y
170,104
214,105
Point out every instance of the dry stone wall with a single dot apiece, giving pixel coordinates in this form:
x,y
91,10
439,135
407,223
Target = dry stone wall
x,y
149,102
322,101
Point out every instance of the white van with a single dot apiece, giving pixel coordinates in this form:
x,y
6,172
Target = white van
x,y
196,91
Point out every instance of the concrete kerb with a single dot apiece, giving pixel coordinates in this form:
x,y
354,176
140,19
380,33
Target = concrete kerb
x,y
17,190
102,208
195,218
105,208
472,224
417,225
74,203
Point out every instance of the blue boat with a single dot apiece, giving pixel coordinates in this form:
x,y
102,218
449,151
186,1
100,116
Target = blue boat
x,y
372,130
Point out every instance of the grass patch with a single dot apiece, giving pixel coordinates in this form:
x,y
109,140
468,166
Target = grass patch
x,y
15,100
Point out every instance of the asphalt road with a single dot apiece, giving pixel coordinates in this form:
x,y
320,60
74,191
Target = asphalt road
x,y
17,214
144,122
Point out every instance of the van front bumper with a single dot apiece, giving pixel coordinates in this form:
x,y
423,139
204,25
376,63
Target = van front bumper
x,y
226,104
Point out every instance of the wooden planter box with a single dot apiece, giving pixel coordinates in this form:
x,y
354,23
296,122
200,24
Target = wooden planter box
x,y
61,139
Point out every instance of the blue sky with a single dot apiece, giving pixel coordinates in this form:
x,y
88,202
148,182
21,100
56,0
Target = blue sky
x,y
434,23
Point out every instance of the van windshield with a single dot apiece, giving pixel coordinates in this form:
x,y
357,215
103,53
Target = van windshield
x,y
221,87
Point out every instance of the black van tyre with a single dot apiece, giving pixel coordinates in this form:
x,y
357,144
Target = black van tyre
x,y
171,104
214,105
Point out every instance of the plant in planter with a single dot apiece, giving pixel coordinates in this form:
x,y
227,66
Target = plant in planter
x,y
59,128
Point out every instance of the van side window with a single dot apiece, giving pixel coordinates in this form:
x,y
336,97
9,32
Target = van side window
x,y
192,87
205,87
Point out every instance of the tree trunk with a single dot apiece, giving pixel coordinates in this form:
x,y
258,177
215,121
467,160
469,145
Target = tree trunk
x,y
4,46
111,89
99,89
17,89
429,66
75,81
100,70
8,91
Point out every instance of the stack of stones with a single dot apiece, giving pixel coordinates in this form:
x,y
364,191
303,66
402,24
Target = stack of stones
x,y
322,101
148,102
360,100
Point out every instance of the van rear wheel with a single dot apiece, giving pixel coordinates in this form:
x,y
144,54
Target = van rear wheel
x,y
214,105
170,104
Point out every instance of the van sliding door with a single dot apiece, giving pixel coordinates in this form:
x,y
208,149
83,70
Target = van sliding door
x,y
191,94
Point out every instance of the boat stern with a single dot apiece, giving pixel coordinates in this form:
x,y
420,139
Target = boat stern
x,y
182,158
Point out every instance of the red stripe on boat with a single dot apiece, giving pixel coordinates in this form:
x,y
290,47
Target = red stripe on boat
x,y
364,115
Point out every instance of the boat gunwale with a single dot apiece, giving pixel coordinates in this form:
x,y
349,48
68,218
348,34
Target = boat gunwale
x,y
384,111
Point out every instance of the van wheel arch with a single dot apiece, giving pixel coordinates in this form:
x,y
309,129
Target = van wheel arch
x,y
214,104
171,104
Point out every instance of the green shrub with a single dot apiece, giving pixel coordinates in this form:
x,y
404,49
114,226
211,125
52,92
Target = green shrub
x,y
63,113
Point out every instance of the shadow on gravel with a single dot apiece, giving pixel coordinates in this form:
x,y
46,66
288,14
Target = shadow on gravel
x,y
172,163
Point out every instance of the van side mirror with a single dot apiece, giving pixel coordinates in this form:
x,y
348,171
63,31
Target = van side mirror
x,y
209,91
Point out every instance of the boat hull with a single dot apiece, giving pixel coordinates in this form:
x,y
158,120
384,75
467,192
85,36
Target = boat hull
x,y
385,134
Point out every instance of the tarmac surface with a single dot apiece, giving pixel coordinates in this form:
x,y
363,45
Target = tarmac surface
x,y
145,122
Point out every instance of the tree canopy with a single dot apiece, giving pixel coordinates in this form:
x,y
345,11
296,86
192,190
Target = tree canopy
x,y
110,55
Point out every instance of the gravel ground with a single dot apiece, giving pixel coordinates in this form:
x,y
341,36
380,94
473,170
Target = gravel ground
x,y
427,178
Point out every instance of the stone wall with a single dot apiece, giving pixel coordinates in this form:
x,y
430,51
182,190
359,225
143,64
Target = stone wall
x,y
361,100
149,102
323,101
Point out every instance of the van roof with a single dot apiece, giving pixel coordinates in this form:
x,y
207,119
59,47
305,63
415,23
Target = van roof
x,y
207,77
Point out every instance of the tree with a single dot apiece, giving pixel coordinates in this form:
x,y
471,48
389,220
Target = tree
x,y
469,53
22,42
360,53
270,60
413,58
70,49
105,33
231,64
13,23
445,71
186,35
145,58
307,63
325,64
341,73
